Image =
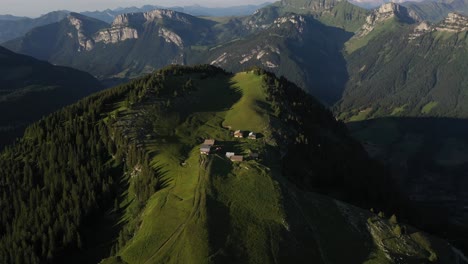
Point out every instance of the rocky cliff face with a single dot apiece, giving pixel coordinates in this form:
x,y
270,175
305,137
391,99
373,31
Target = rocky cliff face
x,y
129,19
453,23
127,27
296,20
84,42
384,13
116,34
171,37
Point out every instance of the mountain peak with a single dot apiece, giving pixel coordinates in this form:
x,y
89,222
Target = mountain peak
x,y
150,16
84,28
389,10
386,12
454,22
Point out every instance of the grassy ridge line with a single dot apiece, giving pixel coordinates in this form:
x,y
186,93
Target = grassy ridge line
x,y
161,208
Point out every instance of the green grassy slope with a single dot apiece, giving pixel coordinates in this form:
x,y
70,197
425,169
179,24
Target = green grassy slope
x,y
247,114
216,211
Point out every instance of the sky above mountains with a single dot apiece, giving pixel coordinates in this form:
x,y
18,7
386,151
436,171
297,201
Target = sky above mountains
x,y
34,8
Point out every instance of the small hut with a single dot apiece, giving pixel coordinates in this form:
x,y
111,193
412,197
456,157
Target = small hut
x,y
238,134
209,142
205,149
237,158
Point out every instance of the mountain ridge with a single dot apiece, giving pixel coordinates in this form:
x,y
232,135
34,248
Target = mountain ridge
x,y
177,204
32,88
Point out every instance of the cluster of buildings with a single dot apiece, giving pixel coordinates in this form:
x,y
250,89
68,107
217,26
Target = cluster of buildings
x,y
241,134
207,147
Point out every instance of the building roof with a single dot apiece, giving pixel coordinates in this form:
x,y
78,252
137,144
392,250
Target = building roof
x,y
205,148
237,158
210,142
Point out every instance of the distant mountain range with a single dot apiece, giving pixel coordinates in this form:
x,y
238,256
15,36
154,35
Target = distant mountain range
x,y
30,89
12,27
304,46
194,10
139,43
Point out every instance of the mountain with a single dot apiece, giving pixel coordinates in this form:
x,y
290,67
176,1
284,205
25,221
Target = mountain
x,y
11,17
119,176
296,46
335,13
436,11
30,89
11,28
194,10
138,43
407,68
135,43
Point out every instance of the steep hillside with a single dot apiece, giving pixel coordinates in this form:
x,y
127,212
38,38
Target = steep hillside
x,y
15,27
436,11
407,70
337,13
295,46
135,179
428,157
30,89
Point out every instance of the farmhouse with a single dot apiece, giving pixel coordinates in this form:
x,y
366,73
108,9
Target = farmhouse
x,y
205,149
238,134
252,135
237,158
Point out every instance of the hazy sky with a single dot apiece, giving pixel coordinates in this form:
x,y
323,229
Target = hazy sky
x,y
38,7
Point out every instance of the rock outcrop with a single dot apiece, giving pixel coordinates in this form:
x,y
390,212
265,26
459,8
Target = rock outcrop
x,y
116,34
296,20
84,42
384,13
453,23
128,26
420,30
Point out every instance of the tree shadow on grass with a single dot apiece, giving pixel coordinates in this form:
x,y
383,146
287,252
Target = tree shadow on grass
x,y
219,217
214,95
